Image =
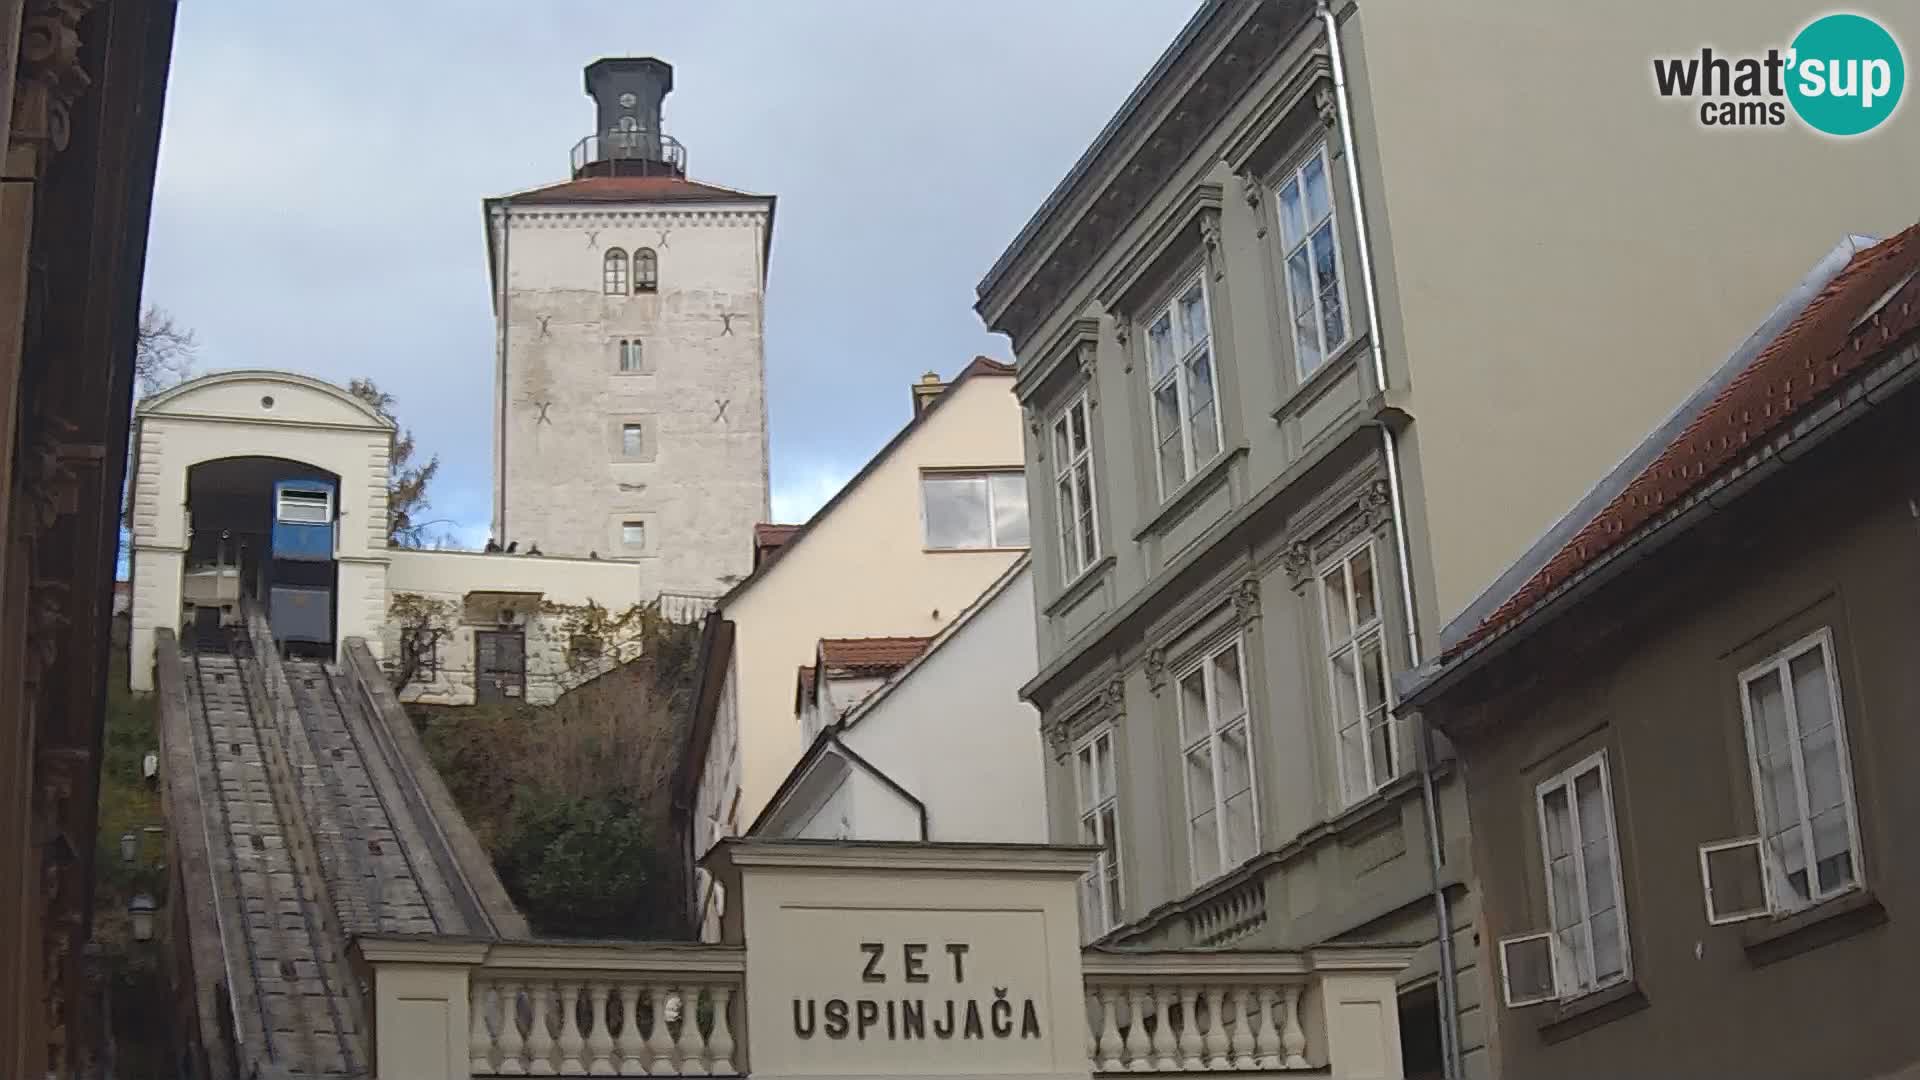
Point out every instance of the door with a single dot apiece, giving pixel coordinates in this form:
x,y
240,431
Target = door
x,y
500,665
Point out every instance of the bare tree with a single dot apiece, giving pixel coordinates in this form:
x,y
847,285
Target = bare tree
x,y
407,480
163,352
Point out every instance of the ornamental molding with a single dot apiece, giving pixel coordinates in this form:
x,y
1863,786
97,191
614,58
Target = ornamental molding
x,y
1107,705
1210,242
1246,602
50,78
1156,668
1365,511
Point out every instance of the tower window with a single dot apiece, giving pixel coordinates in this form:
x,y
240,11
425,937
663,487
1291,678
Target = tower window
x,y
629,354
646,270
630,440
614,273
633,534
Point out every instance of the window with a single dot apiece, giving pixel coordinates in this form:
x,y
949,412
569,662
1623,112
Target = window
x,y
633,534
1222,828
978,510
630,441
629,354
1315,296
1099,804
1802,781
306,507
1186,417
613,273
1073,490
1367,740
1584,896
646,270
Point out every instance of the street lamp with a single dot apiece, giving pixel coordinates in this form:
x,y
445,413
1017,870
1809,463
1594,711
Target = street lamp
x,y
140,912
129,847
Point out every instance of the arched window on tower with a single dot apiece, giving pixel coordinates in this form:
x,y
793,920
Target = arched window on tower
x,y
614,273
646,270
630,359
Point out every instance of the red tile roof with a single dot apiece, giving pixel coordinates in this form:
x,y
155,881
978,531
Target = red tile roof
x,y
875,654
985,365
1817,350
805,688
629,189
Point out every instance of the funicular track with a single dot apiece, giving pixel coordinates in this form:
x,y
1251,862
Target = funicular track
x,y
296,992
374,878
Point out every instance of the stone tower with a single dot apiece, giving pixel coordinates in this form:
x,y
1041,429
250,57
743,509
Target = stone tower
x,y
630,412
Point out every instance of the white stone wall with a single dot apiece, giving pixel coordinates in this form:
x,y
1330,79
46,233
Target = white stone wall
x,y
699,483
248,414
445,578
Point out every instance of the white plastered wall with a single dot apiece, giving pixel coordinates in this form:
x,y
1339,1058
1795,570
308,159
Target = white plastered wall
x,y
255,414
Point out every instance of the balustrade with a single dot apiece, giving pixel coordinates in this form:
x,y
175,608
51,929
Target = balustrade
x,y
1193,1012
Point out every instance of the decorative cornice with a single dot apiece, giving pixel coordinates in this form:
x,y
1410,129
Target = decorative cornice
x,y
1298,562
50,77
1252,190
1132,181
1156,668
1246,601
1324,103
1106,706
1210,240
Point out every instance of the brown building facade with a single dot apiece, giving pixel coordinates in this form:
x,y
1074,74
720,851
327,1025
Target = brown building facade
x,y
81,86
1688,733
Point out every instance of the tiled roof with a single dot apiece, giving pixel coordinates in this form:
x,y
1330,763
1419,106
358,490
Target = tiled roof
x,y
1825,343
768,539
803,689
629,189
875,654
985,365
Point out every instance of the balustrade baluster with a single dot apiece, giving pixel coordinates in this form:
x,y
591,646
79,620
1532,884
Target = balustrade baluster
x,y
659,1042
479,1039
571,1043
720,1043
539,1036
691,1046
1292,1039
1266,1039
1190,1045
1216,1028
1090,1006
512,1046
632,1044
1109,1034
1163,1044
1242,1033
1137,1046
600,1043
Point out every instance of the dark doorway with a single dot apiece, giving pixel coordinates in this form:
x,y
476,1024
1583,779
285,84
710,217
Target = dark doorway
x,y
1420,1051
500,665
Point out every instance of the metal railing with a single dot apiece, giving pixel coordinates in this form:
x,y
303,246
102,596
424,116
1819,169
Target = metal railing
x,y
631,153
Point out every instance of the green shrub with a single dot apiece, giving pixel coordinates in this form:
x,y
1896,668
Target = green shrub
x,y
583,866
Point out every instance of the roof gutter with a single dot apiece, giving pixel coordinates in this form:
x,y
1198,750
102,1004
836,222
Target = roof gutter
x,y
1827,420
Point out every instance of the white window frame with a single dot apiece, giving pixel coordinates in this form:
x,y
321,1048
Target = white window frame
x,y
639,447
1357,638
1079,549
1297,176
985,476
1101,912
1782,900
631,356
1768,904
613,272
1183,351
627,523
302,498
646,270
1204,664
1562,971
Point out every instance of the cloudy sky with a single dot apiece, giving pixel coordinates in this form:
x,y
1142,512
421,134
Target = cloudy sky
x,y
322,166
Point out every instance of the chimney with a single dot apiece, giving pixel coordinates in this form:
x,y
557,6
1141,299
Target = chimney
x,y
924,391
627,137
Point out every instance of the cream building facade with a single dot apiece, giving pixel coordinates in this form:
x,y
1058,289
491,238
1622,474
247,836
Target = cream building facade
x,y
1304,369
941,750
630,416
905,547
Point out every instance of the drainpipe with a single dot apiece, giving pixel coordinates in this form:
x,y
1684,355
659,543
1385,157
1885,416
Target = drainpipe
x,y
1449,984
500,386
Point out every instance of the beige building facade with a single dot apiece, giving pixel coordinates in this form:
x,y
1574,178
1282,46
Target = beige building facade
x,y
910,542
1303,371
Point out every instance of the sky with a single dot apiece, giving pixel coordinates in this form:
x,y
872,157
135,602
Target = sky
x,y
321,171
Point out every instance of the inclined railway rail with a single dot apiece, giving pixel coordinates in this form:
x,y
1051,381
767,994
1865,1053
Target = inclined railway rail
x,y
295,1002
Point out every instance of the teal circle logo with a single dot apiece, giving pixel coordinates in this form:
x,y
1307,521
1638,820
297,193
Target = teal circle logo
x,y
1846,74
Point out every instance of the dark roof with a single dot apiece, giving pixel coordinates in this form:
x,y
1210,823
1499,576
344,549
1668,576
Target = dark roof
x,y
1825,343
874,655
768,539
591,189
803,687
979,365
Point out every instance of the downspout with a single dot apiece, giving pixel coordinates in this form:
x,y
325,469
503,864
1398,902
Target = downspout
x,y
1449,983
500,387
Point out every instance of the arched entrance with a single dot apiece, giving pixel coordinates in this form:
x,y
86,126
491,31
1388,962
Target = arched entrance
x,y
262,528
